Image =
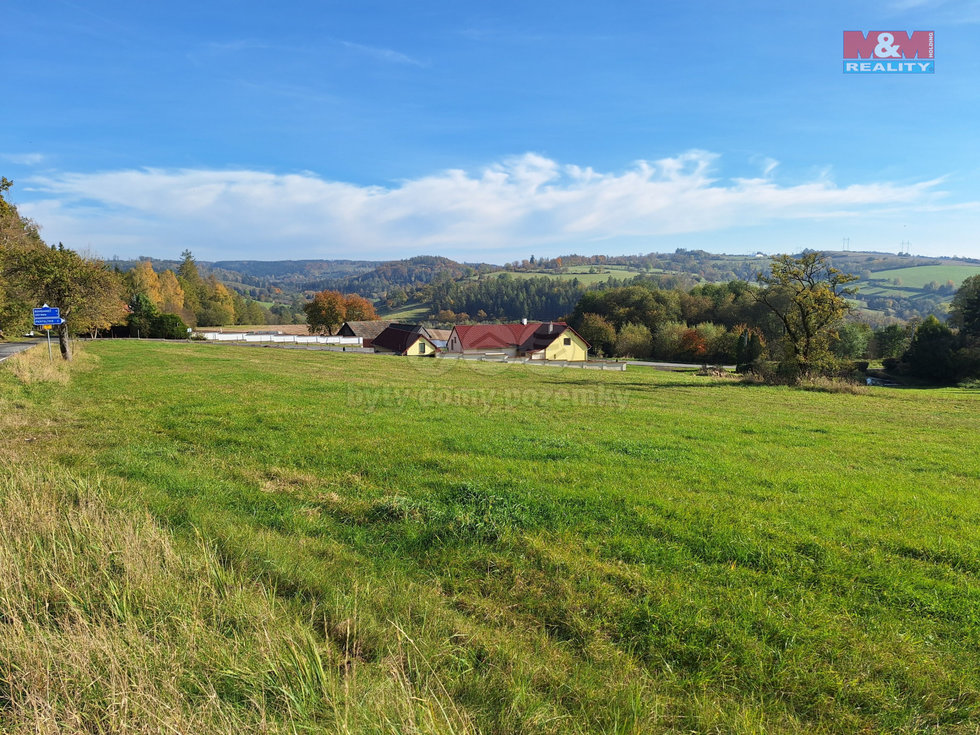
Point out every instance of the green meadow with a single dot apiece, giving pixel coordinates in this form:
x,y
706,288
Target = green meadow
x,y
918,276
407,313
210,538
580,273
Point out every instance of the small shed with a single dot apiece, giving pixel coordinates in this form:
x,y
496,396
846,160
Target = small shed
x,y
366,330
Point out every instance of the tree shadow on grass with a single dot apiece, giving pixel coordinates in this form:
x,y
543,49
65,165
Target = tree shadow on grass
x,y
645,386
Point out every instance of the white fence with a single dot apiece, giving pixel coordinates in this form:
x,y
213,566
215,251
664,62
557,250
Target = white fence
x,y
501,358
298,339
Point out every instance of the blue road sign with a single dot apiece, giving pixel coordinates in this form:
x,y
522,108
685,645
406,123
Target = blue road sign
x,y
41,321
47,313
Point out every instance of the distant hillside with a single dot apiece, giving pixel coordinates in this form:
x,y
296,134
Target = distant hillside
x,y
905,286
400,274
891,285
296,269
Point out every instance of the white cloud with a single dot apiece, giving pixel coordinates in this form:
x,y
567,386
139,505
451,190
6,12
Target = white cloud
x,y
510,206
23,159
382,54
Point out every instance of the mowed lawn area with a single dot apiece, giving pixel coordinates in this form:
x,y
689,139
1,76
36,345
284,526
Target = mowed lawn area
x,y
358,543
919,276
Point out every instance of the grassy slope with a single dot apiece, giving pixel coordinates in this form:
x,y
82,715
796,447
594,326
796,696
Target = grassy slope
x,y
919,276
538,550
407,313
580,272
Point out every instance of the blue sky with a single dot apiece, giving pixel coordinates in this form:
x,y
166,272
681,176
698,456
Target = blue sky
x,y
485,131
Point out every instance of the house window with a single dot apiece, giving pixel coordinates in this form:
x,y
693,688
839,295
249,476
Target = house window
x,y
421,348
568,341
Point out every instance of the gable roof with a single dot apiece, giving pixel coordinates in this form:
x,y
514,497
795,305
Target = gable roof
x,y
366,330
438,334
542,337
399,340
526,337
493,336
406,327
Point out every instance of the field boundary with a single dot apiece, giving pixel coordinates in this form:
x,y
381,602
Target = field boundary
x,y
8,350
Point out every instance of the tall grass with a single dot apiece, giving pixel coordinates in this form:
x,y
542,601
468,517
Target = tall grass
x,y
108,624
34,366
331,549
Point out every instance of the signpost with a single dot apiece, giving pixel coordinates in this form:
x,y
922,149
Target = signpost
x,y
44,318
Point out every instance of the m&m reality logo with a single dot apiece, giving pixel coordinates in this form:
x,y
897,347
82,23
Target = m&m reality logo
x,y
889,52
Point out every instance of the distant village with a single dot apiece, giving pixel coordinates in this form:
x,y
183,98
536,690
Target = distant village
x,y
534,341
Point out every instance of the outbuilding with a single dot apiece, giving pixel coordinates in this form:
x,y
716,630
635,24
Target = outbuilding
x,y
401,341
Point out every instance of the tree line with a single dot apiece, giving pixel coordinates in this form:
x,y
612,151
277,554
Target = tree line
x,y
93,297
88,294
165,303
330,309
796,320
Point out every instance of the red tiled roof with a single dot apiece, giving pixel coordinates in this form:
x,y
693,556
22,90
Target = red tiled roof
x,y
526,337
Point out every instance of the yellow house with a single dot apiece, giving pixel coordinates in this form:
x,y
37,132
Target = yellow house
x,y
567,346
404,342
536,341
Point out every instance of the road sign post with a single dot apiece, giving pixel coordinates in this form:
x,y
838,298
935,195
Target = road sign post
x,y
45,317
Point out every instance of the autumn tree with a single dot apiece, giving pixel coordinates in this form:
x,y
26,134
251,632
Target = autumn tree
x,y
17,234
144,279
808,297
326,312
217,304
358,309
171,293
86,292
693,346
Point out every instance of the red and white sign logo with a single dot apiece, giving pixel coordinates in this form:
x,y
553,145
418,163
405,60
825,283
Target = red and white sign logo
x,y
890,52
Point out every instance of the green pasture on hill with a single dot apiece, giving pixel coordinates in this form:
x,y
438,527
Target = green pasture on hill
x,y
919,276
407,313
580,272
469,547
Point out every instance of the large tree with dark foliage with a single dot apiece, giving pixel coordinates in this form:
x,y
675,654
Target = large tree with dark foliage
x,y
808,297
939,354
964,312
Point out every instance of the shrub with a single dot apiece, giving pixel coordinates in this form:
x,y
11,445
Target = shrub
x,y
634,340
168,326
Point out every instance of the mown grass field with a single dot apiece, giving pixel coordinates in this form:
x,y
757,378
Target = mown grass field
x,y
219,538
579,272
919,276
407,313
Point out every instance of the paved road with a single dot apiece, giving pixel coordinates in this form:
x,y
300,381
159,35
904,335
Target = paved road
x,y
8,349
